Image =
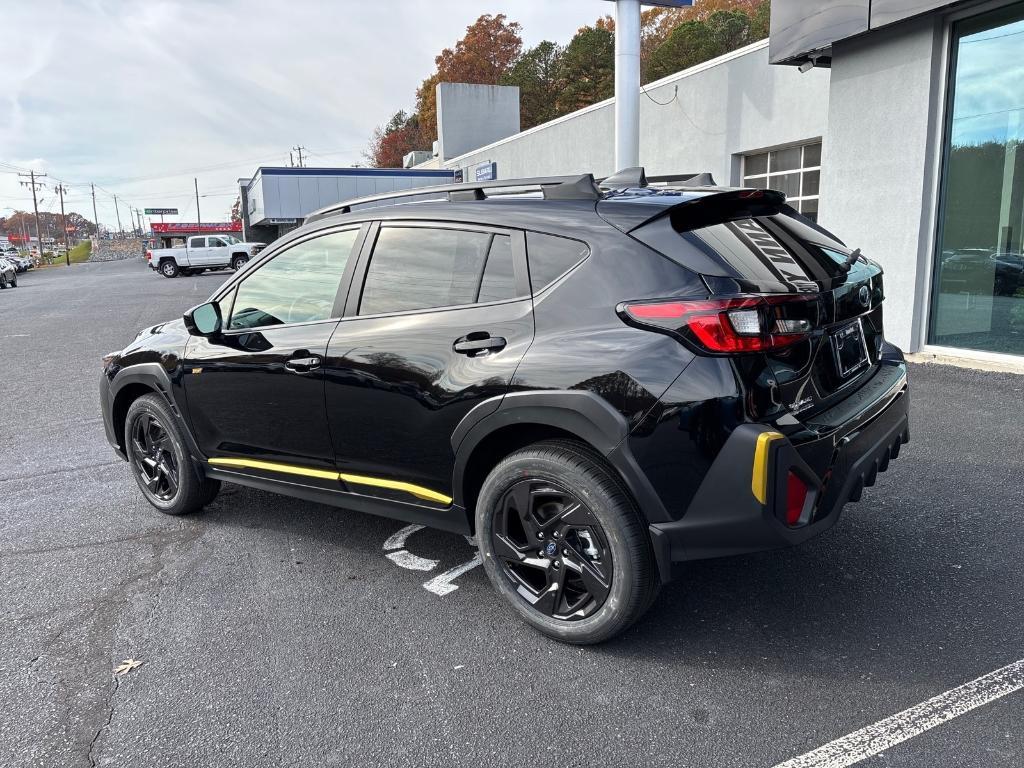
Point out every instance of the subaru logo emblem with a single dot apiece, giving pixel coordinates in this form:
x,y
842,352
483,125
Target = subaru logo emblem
x,y
864,296
551,549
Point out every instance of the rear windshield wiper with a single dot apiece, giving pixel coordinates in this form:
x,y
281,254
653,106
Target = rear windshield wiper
x,y
852,259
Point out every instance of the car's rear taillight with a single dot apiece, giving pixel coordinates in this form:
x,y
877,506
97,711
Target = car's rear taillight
x,y
796,500
728,326
149,255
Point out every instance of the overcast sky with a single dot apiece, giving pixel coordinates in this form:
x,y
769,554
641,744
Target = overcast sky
x,y
139,96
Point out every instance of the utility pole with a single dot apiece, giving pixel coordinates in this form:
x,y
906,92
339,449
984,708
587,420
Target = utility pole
x,y
95,217
199,216
61,190
117,210
299,150
35,205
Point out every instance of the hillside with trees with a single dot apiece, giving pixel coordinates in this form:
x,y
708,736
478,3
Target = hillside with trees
x,y
556,79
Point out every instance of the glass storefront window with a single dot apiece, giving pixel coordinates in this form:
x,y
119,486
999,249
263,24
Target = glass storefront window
x,y
978,293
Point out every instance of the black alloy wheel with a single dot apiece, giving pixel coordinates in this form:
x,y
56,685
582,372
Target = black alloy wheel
x,y
554,548
564,543
154,458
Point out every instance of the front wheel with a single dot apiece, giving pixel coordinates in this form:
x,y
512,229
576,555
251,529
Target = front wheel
x,y
238,262
169,269
160,461
564,543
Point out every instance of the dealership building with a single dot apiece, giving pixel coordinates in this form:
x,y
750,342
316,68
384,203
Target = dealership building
x,y
894,123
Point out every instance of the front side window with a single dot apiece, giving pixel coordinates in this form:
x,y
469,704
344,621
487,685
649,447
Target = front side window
x,y
298,285
422,268
978,285
215,242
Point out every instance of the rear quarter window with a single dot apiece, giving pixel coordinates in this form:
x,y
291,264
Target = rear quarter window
x,y
551,257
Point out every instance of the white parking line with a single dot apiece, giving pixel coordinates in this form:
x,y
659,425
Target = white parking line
x,y
442,585
912,722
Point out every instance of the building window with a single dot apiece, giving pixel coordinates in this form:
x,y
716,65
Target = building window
x,y
793,170
978,287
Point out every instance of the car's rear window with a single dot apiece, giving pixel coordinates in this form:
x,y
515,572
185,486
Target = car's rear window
x,y
779,249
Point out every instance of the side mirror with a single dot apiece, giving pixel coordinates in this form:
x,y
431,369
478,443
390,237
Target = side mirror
x,y
204,320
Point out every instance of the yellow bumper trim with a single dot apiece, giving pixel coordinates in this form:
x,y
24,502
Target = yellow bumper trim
x,y
322,474
759,473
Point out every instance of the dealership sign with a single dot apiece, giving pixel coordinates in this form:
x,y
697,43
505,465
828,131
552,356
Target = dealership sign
x,y
160,211
183,226
486,172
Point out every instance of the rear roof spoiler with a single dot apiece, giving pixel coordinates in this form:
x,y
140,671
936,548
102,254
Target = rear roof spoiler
x,y
690,209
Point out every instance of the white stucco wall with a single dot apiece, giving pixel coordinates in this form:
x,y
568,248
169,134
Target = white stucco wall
x,y
880,160
734,104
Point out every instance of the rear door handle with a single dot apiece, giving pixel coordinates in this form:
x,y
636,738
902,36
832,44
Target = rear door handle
x,y
478,343
303,364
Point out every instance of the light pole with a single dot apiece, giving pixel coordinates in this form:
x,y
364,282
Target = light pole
x,y
627,78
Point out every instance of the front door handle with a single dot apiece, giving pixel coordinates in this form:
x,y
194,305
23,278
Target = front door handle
x,y
303,364
478,343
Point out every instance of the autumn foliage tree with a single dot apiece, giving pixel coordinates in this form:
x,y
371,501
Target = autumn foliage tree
x,y
395,139
554,80
483,56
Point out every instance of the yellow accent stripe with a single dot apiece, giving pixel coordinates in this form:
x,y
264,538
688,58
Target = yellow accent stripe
x,y
271,466
759,476
396,485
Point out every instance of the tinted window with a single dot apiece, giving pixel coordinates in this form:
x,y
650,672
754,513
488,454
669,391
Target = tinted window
x,y
197,242
551,257
215,242
297,286
499,281
419,268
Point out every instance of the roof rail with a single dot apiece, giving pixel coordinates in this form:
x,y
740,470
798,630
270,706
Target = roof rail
x,y
553,187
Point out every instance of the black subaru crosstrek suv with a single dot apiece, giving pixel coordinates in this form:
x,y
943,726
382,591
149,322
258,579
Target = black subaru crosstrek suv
x,y
599,383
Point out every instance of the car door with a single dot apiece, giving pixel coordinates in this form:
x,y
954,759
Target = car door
x,y
255,393
437,319
216,252
196,252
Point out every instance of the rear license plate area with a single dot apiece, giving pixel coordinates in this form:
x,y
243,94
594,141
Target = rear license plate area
x,y
849,350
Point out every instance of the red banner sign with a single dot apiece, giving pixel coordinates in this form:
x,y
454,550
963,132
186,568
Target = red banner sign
x,y
184,226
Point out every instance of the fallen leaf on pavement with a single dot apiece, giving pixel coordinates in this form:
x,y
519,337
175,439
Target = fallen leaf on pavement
x,y
127,666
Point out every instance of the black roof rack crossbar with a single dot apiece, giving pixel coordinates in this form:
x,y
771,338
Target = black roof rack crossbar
x,y
553,187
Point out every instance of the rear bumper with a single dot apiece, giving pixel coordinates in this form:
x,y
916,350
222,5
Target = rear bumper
x,y
837,456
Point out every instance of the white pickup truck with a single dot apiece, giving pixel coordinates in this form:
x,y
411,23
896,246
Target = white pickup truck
x,y
198,253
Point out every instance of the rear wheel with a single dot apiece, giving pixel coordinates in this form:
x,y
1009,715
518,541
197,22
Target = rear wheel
x,y
169,268
160,462
238,262
564,543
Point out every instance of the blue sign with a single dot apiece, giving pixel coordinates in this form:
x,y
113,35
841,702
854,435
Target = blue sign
x,y
486,172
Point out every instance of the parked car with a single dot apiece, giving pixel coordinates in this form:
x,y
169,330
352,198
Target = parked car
x,y
200,253
21,263
598,383
8,274
1009,272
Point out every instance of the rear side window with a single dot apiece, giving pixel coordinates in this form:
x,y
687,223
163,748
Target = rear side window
x,y
422,268
551,257
197,242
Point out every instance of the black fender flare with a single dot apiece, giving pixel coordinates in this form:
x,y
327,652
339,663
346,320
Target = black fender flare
x,y
157,378
580,412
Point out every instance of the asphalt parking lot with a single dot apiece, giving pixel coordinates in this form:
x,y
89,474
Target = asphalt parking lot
x,y
278,632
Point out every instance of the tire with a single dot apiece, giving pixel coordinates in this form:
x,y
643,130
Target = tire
x,y
237,262
169,268
581,508
3,282
14,280
160,462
